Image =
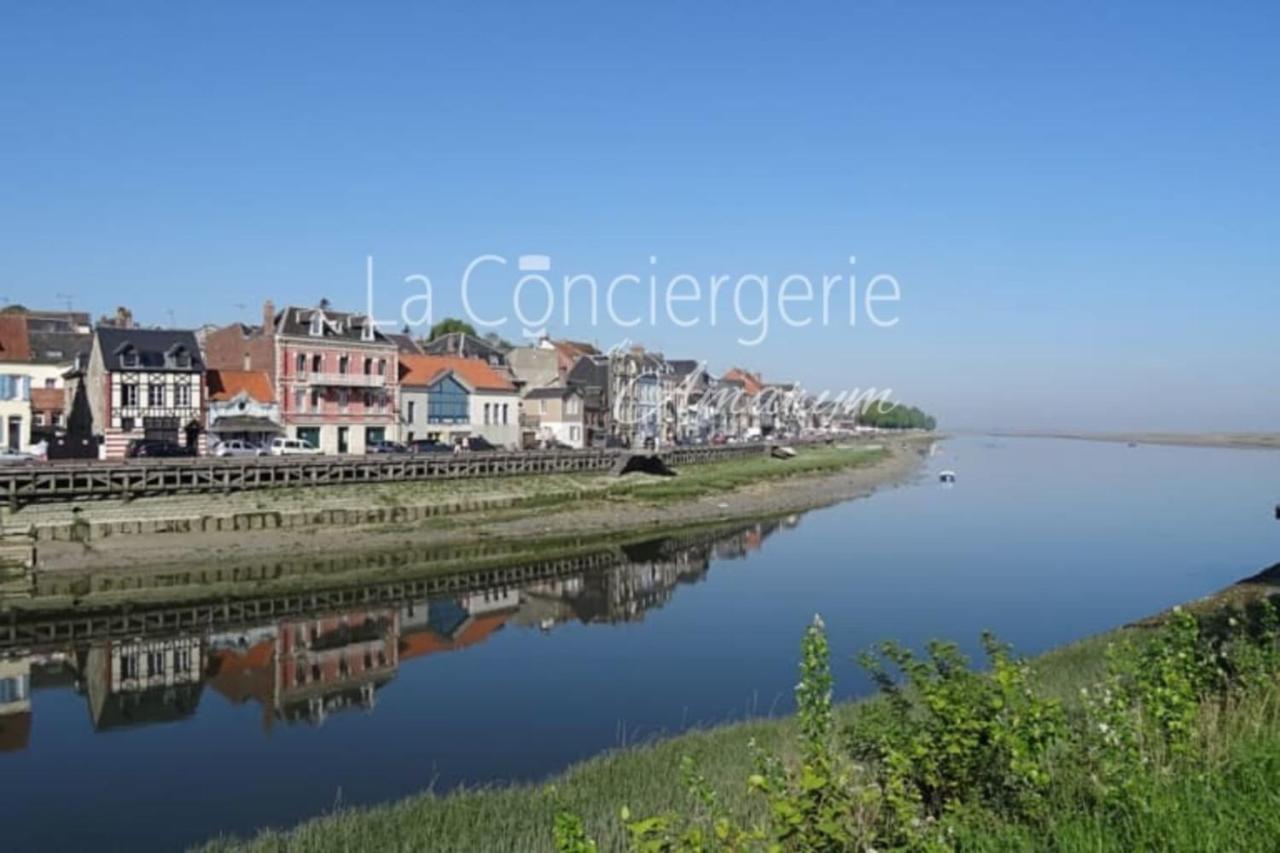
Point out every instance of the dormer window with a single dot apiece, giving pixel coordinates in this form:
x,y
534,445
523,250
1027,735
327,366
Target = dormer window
x,y
129,356
367,330
179,357
317,325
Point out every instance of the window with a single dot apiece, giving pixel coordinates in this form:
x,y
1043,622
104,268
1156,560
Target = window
x,y
486,414
368,399
39,418
155,396
155,664
128,666
542,405
317,325
128,395
344,364
343,399
382,367
504,414
447,402
182,396
129,357
15,387
182,660
317,363
126,424
574,433
51,383
302,364
300,400
368,367
571,405
411,411
317,400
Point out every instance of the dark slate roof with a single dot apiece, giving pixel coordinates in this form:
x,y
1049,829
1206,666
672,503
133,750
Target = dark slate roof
x,y
590,370
468,346
552,392
341,326
683,366
152,346
58,347
406,344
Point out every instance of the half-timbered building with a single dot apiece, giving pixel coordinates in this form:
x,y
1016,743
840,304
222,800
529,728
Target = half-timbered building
x,y
145,383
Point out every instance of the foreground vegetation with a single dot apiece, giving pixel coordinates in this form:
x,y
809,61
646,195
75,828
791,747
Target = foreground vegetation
x,y
1160,738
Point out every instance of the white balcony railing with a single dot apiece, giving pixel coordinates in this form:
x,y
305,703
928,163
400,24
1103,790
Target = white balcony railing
x,y
345,380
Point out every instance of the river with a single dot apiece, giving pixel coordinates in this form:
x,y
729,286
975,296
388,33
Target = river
x,y
161,742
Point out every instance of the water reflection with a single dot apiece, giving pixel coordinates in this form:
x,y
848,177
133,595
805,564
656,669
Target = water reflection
x,y
305,667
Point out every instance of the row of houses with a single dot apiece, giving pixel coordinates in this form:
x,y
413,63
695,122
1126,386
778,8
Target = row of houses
x,y
337,381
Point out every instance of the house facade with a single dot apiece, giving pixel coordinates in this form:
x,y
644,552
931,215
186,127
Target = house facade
x,y
242,405
335,374
559,412
145,383
447,399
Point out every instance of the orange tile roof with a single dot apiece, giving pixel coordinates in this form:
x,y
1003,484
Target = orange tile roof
x,y
14,343
47,399
427,642
751,382
425,369
226,384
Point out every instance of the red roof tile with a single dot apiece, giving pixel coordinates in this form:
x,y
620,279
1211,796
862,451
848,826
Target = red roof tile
x,y
14,344
421,370
751,382
226,384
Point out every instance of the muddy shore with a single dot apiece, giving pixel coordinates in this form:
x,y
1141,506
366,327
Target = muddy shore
x,y
1240,440
773,497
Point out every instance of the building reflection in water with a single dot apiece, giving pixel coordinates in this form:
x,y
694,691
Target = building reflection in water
x,y
302,669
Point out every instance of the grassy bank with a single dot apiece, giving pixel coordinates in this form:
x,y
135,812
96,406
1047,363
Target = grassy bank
x,y
1217,781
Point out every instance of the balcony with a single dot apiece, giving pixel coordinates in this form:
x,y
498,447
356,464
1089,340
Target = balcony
x,y
344,380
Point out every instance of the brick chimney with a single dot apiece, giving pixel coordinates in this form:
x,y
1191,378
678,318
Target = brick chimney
x,y
268,317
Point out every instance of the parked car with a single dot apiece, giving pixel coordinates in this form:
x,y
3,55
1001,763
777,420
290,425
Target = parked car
x,y
156,448
238,447
426,445
477,443
9,456
293,447
387,447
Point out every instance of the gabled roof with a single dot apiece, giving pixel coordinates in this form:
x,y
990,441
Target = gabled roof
x,y
334,325
153,348
14,344
683,366
751,382
226,384
573,349
423,370
590,371
405,343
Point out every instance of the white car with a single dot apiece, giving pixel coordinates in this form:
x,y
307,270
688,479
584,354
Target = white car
x,y
237,447
293,447
8,456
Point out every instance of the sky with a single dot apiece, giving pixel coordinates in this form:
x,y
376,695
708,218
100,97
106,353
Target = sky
x,y
1079,203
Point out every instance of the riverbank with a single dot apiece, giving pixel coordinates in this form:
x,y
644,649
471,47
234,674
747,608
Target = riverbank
x,y
501,510
1240,440
645,778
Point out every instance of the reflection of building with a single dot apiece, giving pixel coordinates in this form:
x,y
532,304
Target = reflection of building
x,y
15,703
142,681
307,669
446,625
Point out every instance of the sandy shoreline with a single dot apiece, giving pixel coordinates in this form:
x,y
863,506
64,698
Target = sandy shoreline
x,y
1238,440
774,497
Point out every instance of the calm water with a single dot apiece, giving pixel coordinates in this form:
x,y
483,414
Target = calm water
x,y
1042,541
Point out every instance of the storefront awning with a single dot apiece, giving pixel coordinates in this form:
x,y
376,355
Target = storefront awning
x,y
246,423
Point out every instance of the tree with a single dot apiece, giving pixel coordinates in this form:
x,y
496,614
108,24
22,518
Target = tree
x,y
449,325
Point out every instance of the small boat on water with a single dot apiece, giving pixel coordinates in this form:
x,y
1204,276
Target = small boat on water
x,y
947,476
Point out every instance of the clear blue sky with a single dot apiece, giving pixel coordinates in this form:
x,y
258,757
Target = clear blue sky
x,y
1080,201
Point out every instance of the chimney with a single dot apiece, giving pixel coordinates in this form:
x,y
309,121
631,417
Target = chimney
x,y
268,317
124,318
